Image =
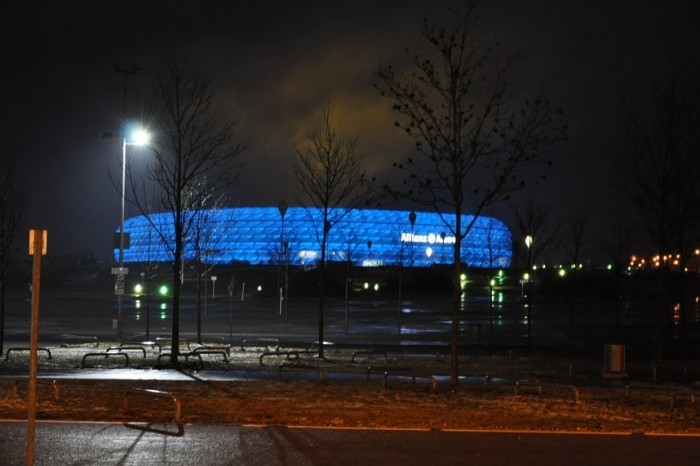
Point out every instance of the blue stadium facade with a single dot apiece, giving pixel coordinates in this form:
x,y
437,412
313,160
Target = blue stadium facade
x,y
368,237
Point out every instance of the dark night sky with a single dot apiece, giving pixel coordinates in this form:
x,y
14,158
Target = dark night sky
x,y
277,63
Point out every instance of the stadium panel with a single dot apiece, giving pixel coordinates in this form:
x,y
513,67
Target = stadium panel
x,y
367,237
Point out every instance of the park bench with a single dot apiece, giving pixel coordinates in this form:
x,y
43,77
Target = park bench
x,y
148,393
266,343
520,384
167,341
10,350
211,350
186,355
104,355
288,354
79,340
400,371
121,348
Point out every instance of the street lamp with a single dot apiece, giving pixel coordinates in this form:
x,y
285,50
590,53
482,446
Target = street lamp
x,y
412,220
139,137
528,243
282,207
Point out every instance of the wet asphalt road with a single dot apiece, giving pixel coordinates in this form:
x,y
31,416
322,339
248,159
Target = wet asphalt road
x,y
117,444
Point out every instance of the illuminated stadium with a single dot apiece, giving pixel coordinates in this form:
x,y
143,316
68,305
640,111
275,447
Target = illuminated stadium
x,y
367,237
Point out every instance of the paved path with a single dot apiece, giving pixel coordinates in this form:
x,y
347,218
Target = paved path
x,y
117,444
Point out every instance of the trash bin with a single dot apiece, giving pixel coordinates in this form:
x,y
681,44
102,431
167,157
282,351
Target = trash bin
x,y
614,361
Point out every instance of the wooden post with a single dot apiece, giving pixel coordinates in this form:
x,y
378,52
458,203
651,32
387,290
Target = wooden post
x,y
37,248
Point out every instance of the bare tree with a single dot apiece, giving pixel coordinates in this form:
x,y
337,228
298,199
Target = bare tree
x,y
576,240
147,258
619,246
534,219
280,253
534,237
207,235
352,244
330,174
494,243
196,160
474,143
658,165
13,201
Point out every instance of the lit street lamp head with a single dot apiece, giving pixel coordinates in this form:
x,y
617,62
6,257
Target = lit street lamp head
x,y
136,136
140,137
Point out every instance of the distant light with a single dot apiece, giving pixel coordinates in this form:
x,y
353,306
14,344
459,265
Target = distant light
x,y
376,287
562,273
163,290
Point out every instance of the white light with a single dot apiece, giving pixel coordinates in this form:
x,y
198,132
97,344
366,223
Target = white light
x,y
140,138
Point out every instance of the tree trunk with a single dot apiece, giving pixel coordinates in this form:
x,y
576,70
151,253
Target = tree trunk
x,y
2,314
322,290
456,295
175,334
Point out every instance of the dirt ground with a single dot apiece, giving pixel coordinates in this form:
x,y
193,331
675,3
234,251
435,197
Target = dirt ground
x,y
497,392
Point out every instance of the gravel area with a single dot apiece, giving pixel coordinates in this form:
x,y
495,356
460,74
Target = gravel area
x,y
501,389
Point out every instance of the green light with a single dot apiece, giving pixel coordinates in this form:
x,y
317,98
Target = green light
x,y
163,290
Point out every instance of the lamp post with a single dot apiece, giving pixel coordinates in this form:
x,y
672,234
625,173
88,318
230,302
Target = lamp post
x,y
442,247
412,220
282,207
139,138
528,243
